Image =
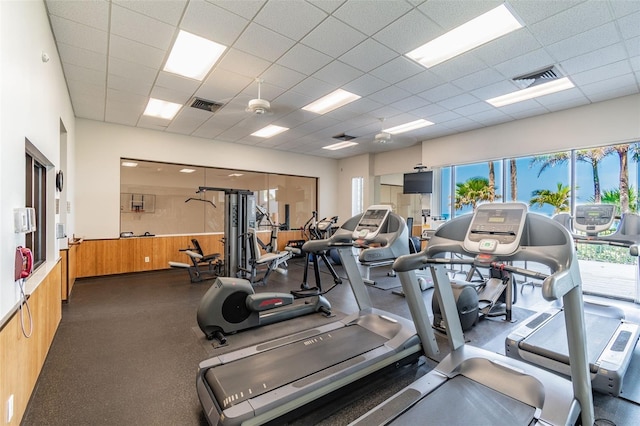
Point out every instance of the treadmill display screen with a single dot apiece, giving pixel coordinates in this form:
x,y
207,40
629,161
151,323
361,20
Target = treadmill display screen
x,y
371,222
496,228
594,218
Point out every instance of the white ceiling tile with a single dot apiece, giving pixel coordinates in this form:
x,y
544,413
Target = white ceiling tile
x,y
282,77
363,106
478,79
397,69
630,25
133,51
124,84
294,19
368,55
450,14
440,93
457,102
245,8
580,18
428,111
568,103
168,11
84,75
420,82
313,88
333,38
444,117
337,73
389,95
222,84
599,37
496,89
386,111
88,107
94,13
79,35
177,83
531,12
264,43
365,85
304,59
472,108
170,95
464,64
410,31
509,46
488,117
131,70
122,113
213,23
153,123
635,63
370,17
188,120
602,73
135,26
327,5
243,63
633,46
82,57
409,104
594,59
80,89
618,86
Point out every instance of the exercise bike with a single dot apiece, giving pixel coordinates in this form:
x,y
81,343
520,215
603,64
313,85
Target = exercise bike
x,y
232,305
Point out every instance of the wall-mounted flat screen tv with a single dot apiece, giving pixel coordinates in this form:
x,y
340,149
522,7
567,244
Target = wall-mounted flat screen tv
x,y
418,183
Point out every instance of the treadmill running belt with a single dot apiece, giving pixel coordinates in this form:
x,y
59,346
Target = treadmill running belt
x,y
242,379
461,401
551,340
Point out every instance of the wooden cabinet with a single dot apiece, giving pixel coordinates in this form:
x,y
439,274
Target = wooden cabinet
x,y
68,271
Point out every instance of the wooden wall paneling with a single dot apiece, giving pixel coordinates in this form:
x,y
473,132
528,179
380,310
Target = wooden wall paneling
x,y
86,259
64,273
108,256
285,236
72,271
21,358
143,250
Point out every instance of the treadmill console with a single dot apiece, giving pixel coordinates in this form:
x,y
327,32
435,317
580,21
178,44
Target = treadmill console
x,y
371,222
496,228
594,218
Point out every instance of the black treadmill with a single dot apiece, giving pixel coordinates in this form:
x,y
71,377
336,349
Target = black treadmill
x,y
258,384
476,386
611,339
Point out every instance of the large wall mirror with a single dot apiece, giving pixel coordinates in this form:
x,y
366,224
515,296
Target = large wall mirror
x,y
391,192
161,198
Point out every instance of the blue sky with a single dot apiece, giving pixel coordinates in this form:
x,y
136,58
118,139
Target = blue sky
x,y
528,179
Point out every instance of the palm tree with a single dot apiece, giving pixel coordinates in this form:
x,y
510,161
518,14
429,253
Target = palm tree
x,y
558,199
492,182
514,179
473,190
623,192
591,156
613,197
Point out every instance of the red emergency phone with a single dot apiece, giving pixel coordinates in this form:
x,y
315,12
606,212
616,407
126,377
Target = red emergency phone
x,y
24,263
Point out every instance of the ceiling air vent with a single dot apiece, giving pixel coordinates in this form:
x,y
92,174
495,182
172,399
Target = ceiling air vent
x,y
205,105
544,75
343,137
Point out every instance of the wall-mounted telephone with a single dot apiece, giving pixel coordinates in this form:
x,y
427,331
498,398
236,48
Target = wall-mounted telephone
x,y
24,263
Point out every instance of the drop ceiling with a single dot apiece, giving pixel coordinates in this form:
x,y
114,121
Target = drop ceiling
x,y
112,54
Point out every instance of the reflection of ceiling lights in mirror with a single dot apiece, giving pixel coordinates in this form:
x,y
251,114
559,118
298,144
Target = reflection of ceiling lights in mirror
x,y
162,109
193,56
236,175
478,31
531,92
129,164
187,170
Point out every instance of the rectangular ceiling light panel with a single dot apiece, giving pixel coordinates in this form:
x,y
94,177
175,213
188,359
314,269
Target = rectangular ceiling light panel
x,y
339,145
162,109
418,124
332,101
269,131
531,92
478,31
193,56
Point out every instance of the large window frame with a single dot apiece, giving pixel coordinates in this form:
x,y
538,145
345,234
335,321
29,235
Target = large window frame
x,y
36,197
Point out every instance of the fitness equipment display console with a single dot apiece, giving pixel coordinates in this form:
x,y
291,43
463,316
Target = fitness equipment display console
x,y
610,339
498,233
260,383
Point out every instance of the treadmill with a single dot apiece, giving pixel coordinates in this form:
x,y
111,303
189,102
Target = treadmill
x,y
261,383
475,386
610,339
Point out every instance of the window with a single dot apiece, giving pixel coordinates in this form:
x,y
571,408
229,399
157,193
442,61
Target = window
x,y
35,196
357,195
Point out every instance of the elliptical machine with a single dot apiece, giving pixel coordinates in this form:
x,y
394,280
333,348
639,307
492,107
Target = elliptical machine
x,y
231,305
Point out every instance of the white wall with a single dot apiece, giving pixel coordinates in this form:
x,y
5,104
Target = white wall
x,y
33,101
101,145
603,123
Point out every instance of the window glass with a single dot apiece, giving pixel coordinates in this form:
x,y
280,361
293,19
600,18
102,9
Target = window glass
x,y
475,184
35,196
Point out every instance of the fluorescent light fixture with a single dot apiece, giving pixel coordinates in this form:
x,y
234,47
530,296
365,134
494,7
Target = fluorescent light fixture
x,y
193,56
417,124
486,27
129,164
269,131
332,101
162,109
340,145
187,170
236,175
532,92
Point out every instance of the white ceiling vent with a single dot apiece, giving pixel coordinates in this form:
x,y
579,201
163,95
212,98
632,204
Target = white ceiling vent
x,y
205,105
544,75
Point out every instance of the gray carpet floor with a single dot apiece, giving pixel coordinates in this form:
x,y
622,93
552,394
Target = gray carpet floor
x,y
128,348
